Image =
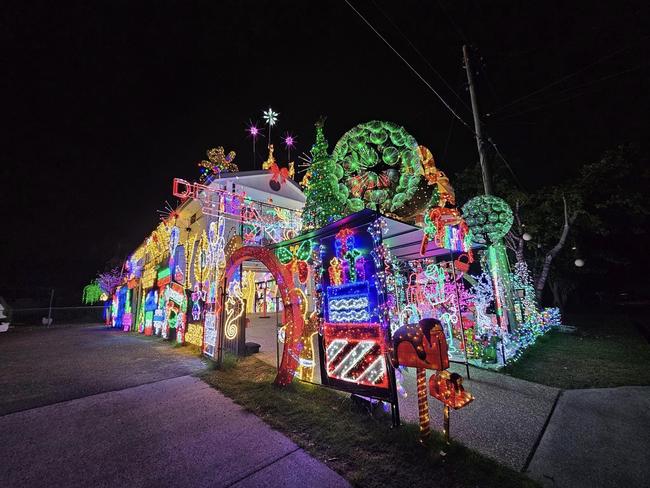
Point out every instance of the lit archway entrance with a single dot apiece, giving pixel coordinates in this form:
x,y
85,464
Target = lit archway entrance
x,y
290,301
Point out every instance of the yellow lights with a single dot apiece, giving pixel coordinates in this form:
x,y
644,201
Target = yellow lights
x,y
248,290
189,256
423,402
234,311
194,334
157,244
202,261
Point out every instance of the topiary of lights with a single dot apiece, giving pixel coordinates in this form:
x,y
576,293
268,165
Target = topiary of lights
x,y
488,217
382,166
376,165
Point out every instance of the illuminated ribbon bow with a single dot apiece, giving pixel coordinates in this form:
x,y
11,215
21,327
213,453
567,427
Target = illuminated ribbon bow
x,y
296,259
279,174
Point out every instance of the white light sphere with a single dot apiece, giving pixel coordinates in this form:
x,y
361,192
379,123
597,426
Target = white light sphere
x,y
579,262
526,236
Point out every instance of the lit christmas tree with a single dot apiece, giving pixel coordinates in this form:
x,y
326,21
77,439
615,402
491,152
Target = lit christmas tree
x,y
326,198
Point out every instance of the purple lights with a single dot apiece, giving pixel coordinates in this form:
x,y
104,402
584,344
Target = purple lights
x,y
253,131
289,140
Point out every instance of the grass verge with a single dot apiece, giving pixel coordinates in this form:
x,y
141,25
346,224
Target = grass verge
x,y
605,351
362,448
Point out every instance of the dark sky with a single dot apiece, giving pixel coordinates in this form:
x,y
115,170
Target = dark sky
x,y
104,103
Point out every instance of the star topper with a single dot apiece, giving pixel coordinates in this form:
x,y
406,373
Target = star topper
x,y
270,117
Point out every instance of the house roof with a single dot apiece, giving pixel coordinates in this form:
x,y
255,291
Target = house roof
x,y
260,180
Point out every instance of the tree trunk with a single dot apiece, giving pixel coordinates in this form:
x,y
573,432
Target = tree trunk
x,y
515,241
546,267
558,297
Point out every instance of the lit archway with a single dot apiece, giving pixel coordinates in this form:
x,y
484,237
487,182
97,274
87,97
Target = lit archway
x,y
290,300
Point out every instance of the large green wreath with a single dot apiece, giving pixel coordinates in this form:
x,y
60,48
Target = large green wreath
x,y
381,166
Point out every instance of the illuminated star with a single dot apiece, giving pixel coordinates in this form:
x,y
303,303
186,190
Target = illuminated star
x,y
289,140
253,130
270,116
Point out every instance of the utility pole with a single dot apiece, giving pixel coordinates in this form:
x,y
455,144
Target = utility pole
x,y
485,171
503,297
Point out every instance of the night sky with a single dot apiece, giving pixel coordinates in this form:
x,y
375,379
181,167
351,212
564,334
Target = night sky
x,y
104,103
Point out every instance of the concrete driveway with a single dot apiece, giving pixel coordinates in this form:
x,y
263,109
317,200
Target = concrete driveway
x,y
95,407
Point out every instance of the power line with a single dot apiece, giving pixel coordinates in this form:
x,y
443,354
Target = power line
x,y
453,112
566,99
503,159
451,89
557,82
455,26
442,100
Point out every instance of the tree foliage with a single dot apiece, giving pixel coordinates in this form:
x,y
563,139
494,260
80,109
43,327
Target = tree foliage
x,y
109,280
607,211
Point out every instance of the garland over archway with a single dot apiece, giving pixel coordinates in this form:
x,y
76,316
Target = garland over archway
x,y
290,300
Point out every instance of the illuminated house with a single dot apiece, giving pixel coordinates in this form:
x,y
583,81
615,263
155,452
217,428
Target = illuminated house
x,y
376,245
171,285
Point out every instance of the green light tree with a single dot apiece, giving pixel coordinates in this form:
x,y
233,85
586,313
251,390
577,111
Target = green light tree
x,y
91,293
326,197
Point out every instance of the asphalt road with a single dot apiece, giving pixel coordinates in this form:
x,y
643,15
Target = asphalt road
x,y
94,407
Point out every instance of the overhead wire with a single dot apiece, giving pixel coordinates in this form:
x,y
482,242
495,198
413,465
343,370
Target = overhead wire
x,y
442,100
419,53
416,72
560,80
566,99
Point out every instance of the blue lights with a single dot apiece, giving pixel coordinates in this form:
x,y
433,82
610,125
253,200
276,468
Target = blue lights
x,y
348,303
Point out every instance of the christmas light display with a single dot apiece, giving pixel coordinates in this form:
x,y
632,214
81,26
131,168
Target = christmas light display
x,y
355,354
348,304
217,163
248,290
92,293
261,220
447,229
382,164
234,312
210,333
290,300
296,258
270,117
194,334
326,197
198,298
150,305
488,217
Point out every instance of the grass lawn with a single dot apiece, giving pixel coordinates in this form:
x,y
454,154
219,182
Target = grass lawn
x,y
605,351
362,448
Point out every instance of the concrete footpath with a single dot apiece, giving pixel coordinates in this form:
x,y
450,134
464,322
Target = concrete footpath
x,y
86,406
572,438
174,432
504,422
596,438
